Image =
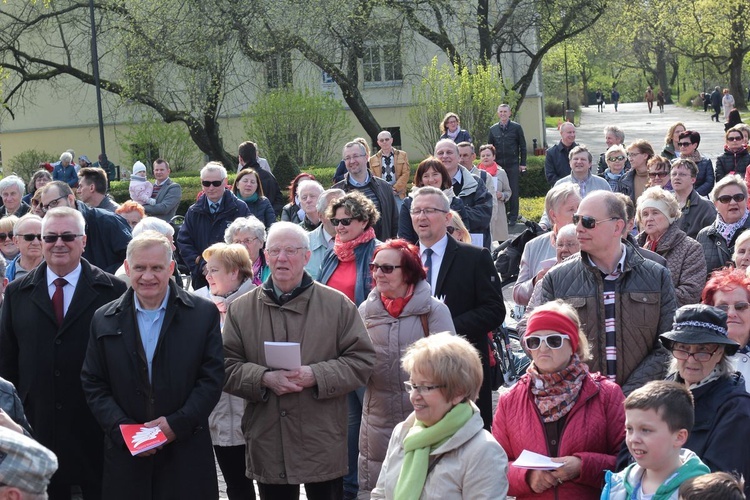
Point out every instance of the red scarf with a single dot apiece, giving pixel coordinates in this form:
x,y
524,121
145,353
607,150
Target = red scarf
x,y
344,250
492,169
396,306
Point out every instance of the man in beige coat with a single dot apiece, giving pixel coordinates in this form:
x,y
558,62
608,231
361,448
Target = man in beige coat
x,y
295,421
391,165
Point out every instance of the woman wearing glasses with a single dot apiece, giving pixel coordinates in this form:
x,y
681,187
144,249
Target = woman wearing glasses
x,y
701,352
730,199
399,311
657,213
658,173
250,233
735,158
688,145
639,154
729,290
614,173
561,410
441,450
450,128
8,248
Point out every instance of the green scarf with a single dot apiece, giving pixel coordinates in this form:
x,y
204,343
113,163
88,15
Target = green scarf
x,y
419,442
250,199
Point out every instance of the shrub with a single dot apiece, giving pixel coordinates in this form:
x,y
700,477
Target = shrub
x,y
533,183
285,170
24,164
532,208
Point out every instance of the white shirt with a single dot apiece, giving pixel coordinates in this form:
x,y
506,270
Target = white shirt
x,y
68,290
438,251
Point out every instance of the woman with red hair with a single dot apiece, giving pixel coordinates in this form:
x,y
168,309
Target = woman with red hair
x,y
729,290
399,311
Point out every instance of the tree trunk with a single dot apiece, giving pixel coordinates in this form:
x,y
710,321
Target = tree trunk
x,y
736,57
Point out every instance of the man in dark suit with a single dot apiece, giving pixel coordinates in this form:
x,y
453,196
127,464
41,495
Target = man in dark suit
x,y
43,339
463,277
167,193
128,380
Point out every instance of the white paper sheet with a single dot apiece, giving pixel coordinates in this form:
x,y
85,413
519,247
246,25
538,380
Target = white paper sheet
x,y
283,355
530,460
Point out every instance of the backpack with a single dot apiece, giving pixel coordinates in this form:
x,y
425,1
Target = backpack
x,y
507,257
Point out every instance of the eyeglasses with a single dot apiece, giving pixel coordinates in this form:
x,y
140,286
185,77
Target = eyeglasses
x,y
347,159
345,222
630,155
6,236
290,251
212,183
727,198
386,268
450,229
66,237
589,222
616,158
426,211
684,144
657,174
735,138
247,241
53,204
421,389
701,357
534,342
28,237
739,306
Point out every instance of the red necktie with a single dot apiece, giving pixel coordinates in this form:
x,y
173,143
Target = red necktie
x,y
57,300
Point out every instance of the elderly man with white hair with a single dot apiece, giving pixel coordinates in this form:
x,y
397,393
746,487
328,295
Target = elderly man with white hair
x,y
11,190
391,165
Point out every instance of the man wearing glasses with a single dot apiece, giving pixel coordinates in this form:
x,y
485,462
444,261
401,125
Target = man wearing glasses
x,y
624,300
295,420
107,233
43,337
207,219
359,178
697,211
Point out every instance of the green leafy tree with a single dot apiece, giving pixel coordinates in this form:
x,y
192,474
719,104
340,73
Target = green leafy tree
x,y
27,162
285,170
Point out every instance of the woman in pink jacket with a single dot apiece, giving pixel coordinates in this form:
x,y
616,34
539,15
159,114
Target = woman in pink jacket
x,y
560,410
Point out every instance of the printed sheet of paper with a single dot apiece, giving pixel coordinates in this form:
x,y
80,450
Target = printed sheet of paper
x,y
283,355
139,438
530,460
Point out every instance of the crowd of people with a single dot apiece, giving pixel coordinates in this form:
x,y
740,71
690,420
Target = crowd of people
x,y
347,346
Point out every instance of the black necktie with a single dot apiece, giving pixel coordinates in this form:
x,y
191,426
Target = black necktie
x,y
428,264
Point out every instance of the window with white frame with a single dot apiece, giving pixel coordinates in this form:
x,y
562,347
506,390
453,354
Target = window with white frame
x,y
382,63
279,71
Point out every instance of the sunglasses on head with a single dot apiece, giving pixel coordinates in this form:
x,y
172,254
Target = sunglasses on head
x,y
212,183
727,198
67,237
5,236
344,222
31,237
589,222
534,342
386,268
616,158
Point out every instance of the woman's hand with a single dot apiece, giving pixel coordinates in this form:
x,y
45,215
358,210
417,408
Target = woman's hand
x,y
541,480
570,470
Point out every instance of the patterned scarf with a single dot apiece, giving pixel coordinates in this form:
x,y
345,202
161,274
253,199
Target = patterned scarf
x,y
396,306
695,156
727,230
344,250
556,393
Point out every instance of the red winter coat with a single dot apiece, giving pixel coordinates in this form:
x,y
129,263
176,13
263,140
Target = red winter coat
x,y
593,431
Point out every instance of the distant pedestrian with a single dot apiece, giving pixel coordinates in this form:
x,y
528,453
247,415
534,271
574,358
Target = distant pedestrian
x,y
649,96
599,100
727,102
716,103
660,100
614,96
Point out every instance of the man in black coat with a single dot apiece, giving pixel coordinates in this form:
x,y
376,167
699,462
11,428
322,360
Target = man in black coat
x,y
510,153
43,339
463,277
556,162
716,103
155,358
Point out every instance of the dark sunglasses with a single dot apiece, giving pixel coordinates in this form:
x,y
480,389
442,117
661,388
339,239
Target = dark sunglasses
x,y
67,237
450,229
658,174
727,198
386,268
684,144
31,237
589,222
534,342
212,183
345,222
5,236
616,158
735,138
739,306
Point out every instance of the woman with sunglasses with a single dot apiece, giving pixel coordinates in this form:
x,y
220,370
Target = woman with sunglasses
x,y
657,214
616,156
701,352
658,173
28,239
8,248
346,267
561,410
247,187
729,290
688,145
730,199
736,157
399,311
430,172
457,229
441,450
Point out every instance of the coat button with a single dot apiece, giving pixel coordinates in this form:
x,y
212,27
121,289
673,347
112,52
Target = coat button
x,y
282,475
58,406
57,373
58,341
553,442
644,299
283,413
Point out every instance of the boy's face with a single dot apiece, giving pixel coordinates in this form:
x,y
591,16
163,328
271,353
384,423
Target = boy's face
x,y
651,442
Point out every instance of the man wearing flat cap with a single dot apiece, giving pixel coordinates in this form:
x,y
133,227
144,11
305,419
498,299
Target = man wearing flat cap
x,y
25,467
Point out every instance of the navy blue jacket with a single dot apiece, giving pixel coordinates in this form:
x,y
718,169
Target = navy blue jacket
x,y
107,237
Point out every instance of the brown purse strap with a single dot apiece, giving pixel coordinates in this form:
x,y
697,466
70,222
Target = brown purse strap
x,y
425,326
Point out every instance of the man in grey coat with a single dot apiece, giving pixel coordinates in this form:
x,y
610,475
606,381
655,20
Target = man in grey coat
x,y
167,194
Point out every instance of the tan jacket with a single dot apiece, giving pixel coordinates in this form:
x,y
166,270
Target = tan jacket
x,y
299,437
403,170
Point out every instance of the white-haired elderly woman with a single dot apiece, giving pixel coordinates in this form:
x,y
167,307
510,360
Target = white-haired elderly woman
x,y
11,190
729,196
65,171
560,204
616,157
161,227
442,450
656,213
251,233
308,192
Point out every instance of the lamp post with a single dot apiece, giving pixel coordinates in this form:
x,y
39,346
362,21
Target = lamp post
x,y
95,67
567,92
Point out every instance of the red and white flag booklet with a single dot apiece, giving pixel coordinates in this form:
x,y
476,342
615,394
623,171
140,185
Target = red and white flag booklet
x,y
139,438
